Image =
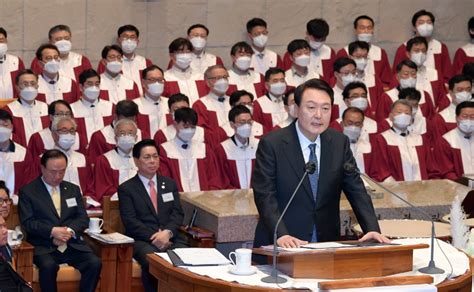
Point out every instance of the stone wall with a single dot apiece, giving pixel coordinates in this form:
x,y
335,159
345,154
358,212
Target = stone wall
x,y
95,22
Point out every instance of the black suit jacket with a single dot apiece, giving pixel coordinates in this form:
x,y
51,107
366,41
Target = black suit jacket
x,y
139,216
38,215
278,169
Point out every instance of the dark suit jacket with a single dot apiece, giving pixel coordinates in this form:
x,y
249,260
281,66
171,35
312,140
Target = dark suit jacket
x,y
138,215
38,216
278,169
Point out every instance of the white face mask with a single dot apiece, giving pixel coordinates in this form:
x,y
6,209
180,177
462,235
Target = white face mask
x,y
243,63
462,96
198,43
5,134
418,58
28,93
115,67
260,41
126,143
361,63
315,45
402,121
466,126
365,37
92,93
278,88
302,60
66,141
346,79
156,89
183,60
244,131
129,46
360,103
52,67
64,46
352,132
292,111
408,83
3,49
221,86
186,134
425,29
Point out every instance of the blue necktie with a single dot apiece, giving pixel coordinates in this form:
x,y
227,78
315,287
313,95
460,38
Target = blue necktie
x,y
313,179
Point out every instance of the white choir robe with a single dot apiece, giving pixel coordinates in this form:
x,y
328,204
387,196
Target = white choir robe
x,y
73,66
91,117
27,119
193,169
293,79
185,82
338,106
269,111
169,132
365,160
237,162
213,114
369,128
152,117
443,122
390,96
251,81
15,167
284,123
10,65
133,67
64,88
43,140
111,169
262,61
463,55
321,62
204,60
429,80
118,88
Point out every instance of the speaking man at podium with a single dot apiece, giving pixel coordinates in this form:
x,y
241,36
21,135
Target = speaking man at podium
x,y
313,215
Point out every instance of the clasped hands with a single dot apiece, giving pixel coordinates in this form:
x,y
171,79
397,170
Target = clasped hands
x,y
60,235
161,239
288,241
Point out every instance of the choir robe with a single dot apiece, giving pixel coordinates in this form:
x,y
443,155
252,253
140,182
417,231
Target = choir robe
x,y
168,133
284,123
118,88
369,129
212,114
269,111
91,117
152,117
463,55
427,79
405,158
322,62
377,63
43,140
237,162
251,81
9,68
14,167
73,66
389,97
443,122
112,168
200,62
418,126
64,88
27,119
454,155
262,61
193,169
437,58
293,79
366,161
374,91
185,82
104,140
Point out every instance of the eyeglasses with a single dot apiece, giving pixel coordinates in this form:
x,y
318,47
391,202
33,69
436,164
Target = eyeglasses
x,y
50,58
126,134
225,77
6,201
66,131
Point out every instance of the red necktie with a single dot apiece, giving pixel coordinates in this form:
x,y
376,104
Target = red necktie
x,y
153,195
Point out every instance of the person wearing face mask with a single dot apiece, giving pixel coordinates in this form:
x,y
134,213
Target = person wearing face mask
x,y
116,166
10,66
437,55
322,56
419,124
345,72
190,163
377,60
403,154
290,108
454,151
72,63
263,58
29,115
114,83
465,54
460,87
104,139
245,98
468,70
299,72
269,109
181,77
53,84
236,155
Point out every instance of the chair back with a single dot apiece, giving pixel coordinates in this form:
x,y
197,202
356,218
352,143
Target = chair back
x,y
111,216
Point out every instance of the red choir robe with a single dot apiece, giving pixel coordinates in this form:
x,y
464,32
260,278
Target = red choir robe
x,y
437,58
377,64
443,122
463,55
262,61
429,80
185,82
73,66
92,117
27,119
112,168
269,111
389,97
43,140
118,88
9,69
152,117
322,62
366,161
213,114
369,129
237,162
193,169
293,79
252,82
454,155
63,88
200,62
15,169
418,126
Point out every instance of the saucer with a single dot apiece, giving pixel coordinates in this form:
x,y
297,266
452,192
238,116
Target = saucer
x,y
251,271
95,232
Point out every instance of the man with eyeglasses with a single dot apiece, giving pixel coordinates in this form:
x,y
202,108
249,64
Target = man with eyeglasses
x,y
29,115
345,72
53,84
10,66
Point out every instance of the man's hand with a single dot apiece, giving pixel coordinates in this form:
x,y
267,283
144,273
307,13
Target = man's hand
x,y
375,236
161,239
61,234
58,242
288,241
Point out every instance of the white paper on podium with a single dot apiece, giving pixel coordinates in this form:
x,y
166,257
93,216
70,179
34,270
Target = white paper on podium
x,y
201,256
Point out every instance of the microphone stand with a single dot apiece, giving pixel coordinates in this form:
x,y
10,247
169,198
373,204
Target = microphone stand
x,y
274,278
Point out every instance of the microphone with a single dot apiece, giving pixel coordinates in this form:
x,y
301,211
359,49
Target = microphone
x,y
431,268
309,168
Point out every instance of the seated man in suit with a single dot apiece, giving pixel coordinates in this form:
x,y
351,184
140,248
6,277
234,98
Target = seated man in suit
x,y
54,218
150,209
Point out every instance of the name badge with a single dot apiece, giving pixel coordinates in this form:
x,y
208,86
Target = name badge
x,y
71,202
168,197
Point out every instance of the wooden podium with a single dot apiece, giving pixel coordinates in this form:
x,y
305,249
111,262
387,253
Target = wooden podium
x,y
346,262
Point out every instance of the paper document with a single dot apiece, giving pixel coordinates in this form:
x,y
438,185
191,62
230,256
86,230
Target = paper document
x,y
201,256
112,238
325,245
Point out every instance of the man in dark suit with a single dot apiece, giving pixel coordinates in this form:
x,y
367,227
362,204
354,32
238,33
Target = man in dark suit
x,y
280,164
54,218
150,209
